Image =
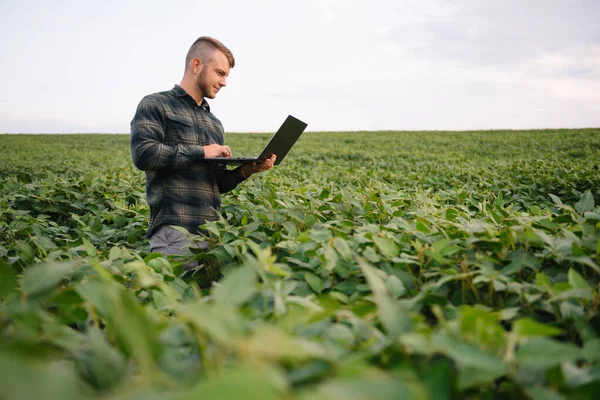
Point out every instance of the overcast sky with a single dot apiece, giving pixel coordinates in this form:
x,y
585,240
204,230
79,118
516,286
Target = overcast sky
x,y
83,66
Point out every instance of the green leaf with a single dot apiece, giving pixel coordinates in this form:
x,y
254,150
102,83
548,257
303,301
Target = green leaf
x,y
45,276
476,366
585,330
324,194
237,287
542,353
386,246
542,393
242,382
89,247
577,280
568,310
371,255
451,214
372,388
160,301
342,248
44,242
535,210
223,325
8,281
114,253
315,283
395,318
311,371
542,281
481,325
331,258
580,294
555,199
290,227
520,260
126,320
445,248
395,286
99,294
532,237
438,378
508,314
27,378
526,327
69,306
272,343
586,203
585,260
320,235
131,324
591,350
576,249
26,252
469,377
161,265
576,376
101,364
341,334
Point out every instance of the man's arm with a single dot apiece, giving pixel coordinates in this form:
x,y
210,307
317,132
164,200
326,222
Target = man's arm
x,y
228,179
147,142
147,136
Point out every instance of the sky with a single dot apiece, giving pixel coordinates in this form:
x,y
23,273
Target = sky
x,y
339,65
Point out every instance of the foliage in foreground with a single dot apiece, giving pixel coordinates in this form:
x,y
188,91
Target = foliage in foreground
x,y
432,266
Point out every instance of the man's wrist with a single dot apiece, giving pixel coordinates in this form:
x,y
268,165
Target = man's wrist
x,y
245,172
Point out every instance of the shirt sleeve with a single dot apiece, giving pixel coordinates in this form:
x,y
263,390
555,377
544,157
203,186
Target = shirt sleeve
x,y
228,179
147,136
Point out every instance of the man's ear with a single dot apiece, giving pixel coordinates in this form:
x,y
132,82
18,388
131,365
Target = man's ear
x,y
197,65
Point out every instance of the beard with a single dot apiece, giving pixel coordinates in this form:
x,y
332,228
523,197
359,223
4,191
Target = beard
x,y
203,86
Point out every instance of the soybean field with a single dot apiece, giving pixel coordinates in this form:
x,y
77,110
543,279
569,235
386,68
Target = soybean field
x,y
368,265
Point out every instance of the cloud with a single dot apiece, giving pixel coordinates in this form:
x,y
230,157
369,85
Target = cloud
x,y
549,47
582,61
500,33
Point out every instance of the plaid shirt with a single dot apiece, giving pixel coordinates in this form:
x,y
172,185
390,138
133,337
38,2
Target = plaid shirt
x,y
167,134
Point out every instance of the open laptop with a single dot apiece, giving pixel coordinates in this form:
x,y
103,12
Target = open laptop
x,y
280,144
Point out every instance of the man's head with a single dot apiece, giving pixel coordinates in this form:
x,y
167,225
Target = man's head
x,y
207,66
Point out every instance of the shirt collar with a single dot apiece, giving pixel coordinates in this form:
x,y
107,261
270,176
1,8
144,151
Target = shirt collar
x,y
179,92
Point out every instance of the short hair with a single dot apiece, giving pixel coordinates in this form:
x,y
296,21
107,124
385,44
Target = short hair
x,y
195,50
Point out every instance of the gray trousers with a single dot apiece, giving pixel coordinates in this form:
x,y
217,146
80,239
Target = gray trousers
x,y
169,241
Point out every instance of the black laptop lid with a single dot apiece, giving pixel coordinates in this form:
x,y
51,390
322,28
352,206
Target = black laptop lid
x,y
283,140
280,144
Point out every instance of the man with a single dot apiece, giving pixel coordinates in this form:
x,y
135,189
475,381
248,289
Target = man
x,y
171,133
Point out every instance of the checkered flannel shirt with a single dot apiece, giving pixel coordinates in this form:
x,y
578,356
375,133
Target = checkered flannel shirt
x,y
167,134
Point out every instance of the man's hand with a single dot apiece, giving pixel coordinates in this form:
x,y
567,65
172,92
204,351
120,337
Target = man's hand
x,y
249,169
216,150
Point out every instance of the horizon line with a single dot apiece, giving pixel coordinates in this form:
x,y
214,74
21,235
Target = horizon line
x,y
325,131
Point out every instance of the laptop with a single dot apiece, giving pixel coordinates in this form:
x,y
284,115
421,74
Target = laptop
x,y
280,144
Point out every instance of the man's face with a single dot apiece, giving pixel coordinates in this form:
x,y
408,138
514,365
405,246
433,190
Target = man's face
x,y
213,75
